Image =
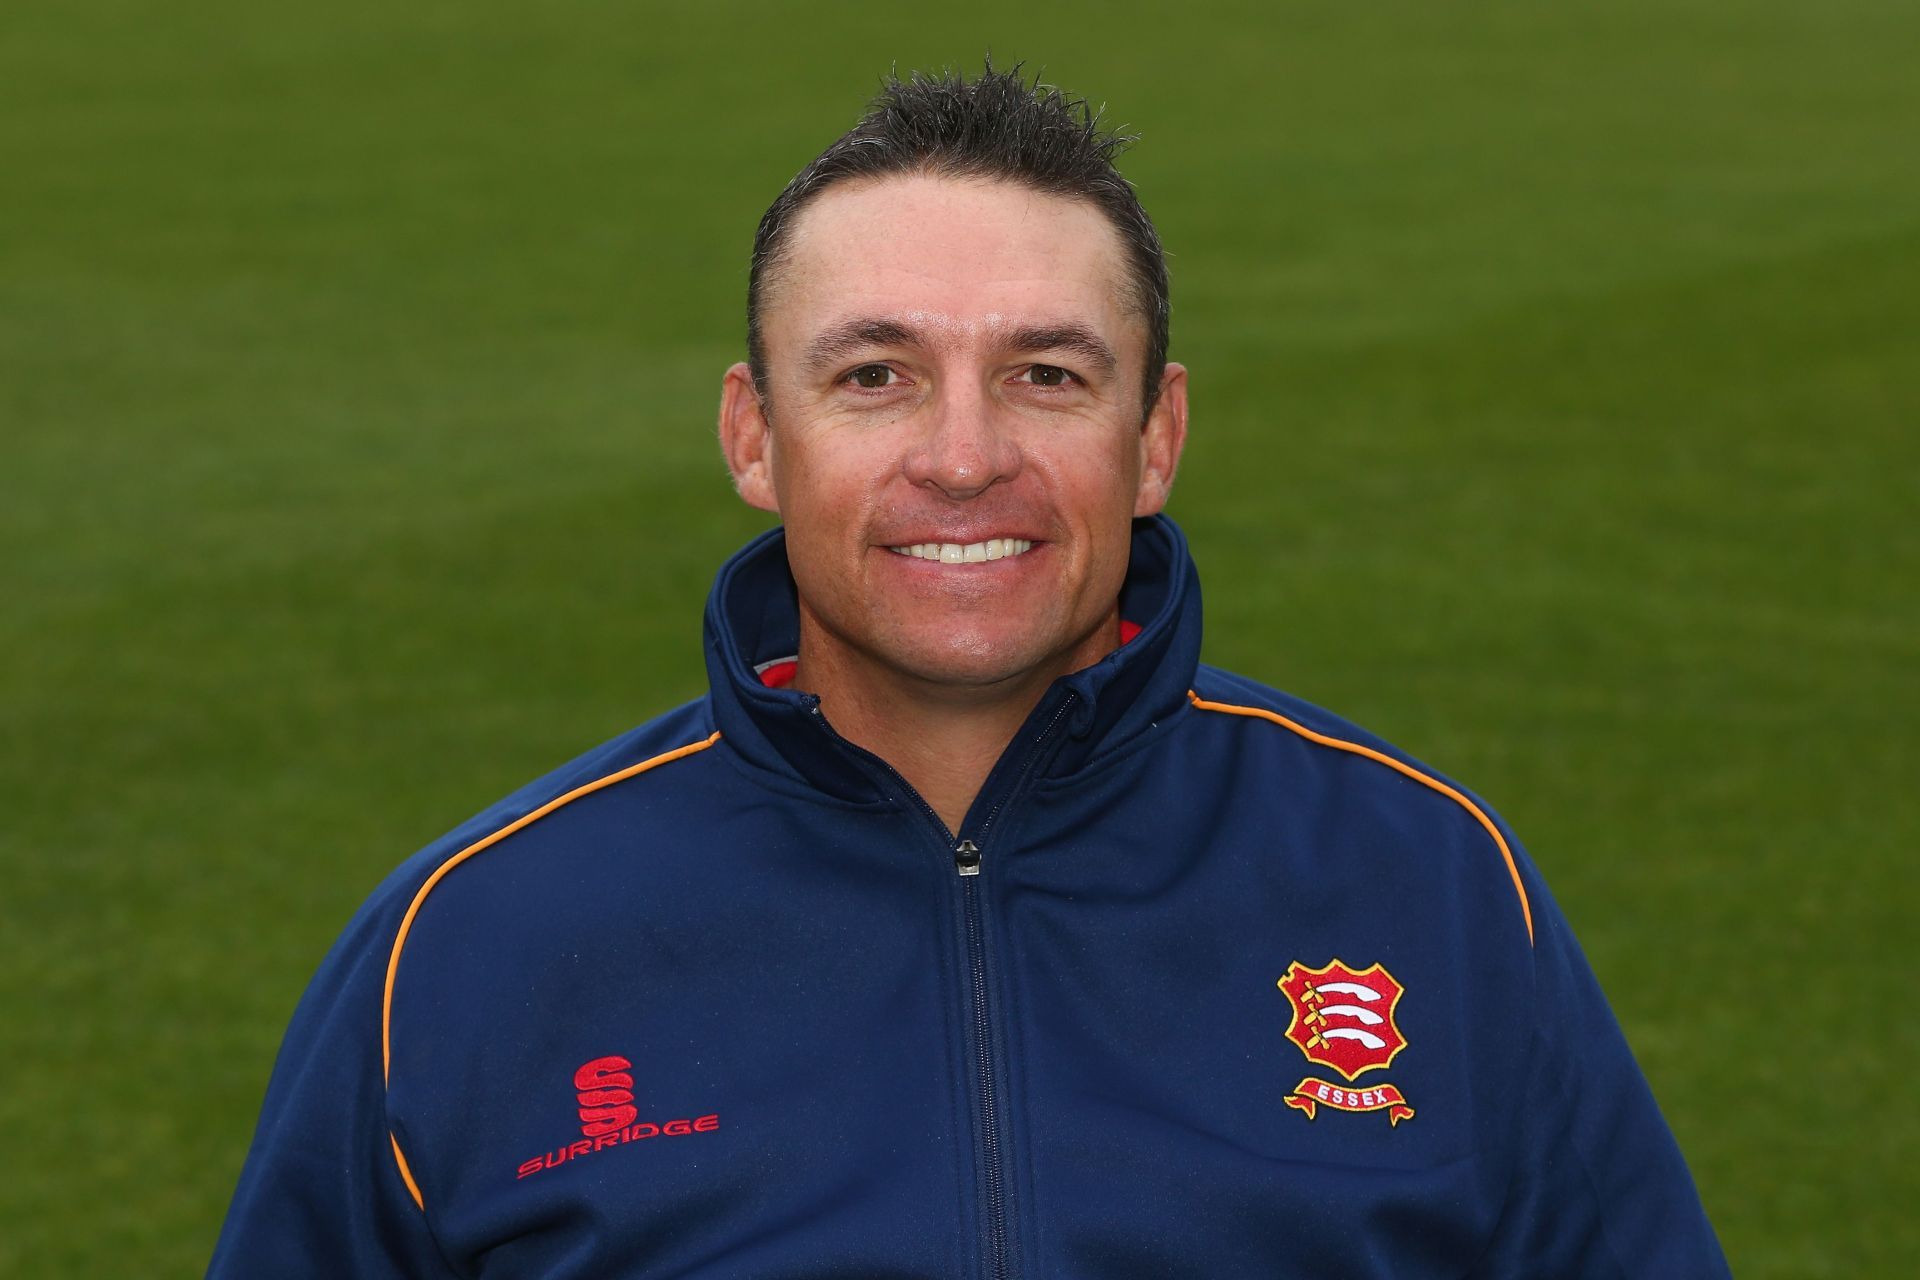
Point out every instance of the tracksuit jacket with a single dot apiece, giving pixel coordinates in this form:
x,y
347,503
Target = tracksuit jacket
x,y
1208,984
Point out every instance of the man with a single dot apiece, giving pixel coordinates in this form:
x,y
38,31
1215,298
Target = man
x,y
968,926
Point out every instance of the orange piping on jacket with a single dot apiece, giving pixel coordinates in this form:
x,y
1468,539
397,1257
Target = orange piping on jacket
x,y
1340,744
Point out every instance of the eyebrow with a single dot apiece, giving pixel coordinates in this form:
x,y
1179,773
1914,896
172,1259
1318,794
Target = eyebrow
x,y
843,340
1074,338
860,334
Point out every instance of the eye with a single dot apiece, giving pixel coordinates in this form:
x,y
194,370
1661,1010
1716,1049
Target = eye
x,y
870,376
1048,375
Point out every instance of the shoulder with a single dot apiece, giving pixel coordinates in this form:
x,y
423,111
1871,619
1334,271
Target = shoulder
x,y
535,854
687,731
1307,747
515,856
684,732
464,922
1229,693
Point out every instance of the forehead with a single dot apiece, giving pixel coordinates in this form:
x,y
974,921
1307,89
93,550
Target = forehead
x,y
961,256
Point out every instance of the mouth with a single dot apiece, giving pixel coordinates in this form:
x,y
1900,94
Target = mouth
x,y
966,552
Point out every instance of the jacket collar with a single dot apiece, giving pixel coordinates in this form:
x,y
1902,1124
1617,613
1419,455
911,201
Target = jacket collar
x,y
753,619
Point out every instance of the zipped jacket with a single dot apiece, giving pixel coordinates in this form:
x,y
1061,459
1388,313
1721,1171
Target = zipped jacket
x,y
1209,983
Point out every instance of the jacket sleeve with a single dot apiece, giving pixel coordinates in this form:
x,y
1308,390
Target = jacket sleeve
x,y
1599,1189
321,1194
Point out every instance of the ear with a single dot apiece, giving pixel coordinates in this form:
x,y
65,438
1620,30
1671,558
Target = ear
x,y
1161,440
746,439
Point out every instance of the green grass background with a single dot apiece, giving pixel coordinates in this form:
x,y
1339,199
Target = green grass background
x,y
1556,381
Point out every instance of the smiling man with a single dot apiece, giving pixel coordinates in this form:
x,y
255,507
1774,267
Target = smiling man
x,y
950,418
968,925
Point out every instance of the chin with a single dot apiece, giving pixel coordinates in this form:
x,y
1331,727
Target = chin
x,y
975,661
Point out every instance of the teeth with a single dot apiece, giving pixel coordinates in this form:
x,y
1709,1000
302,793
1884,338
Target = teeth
x,y
967,553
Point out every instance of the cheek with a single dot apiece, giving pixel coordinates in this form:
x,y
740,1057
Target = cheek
x,y
1100,485
827,483
1099,480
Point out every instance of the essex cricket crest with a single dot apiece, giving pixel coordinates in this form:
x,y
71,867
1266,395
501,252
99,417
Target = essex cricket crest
x,y
1343,1018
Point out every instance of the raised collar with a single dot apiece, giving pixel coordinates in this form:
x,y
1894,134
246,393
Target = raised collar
x,y
753,619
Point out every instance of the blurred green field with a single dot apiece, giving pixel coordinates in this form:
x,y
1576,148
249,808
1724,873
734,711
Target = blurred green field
x,y
1557,373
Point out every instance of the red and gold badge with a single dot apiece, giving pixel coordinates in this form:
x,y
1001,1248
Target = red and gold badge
x,y
1343,1018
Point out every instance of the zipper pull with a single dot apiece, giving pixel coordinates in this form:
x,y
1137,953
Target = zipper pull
x,y
966,858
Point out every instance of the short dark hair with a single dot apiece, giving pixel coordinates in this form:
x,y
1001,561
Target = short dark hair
x,y
996,127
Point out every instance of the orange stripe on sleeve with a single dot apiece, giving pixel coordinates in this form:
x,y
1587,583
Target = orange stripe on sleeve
x,y
486,842
1425,780
406,1174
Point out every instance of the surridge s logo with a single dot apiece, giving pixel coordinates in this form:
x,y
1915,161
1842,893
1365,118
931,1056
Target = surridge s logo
x,y
603,1088
606,1096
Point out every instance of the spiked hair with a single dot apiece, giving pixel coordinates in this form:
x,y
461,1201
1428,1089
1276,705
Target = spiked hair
x,y
996,127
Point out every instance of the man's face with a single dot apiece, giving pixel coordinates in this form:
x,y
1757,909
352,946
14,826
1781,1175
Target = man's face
x,y
953,433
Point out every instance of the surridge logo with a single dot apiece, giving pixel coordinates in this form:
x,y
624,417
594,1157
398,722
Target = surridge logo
x,y
606,1096
603,1087
1344,1018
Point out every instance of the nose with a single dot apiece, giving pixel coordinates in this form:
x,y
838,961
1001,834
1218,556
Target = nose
x,y
967,446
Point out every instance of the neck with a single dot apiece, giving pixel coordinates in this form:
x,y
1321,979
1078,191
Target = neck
x,y
943,739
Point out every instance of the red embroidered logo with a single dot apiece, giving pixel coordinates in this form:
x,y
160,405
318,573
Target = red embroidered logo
x,y
1343,1018
608,1117
606,1096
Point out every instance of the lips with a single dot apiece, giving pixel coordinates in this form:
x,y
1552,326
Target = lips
x,y
965,552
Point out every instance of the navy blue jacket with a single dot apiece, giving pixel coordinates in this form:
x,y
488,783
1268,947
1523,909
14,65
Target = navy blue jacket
x,y
1208,984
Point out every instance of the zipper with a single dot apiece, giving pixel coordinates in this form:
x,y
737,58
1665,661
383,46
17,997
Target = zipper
x,y
968,855
983,1067
967,858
